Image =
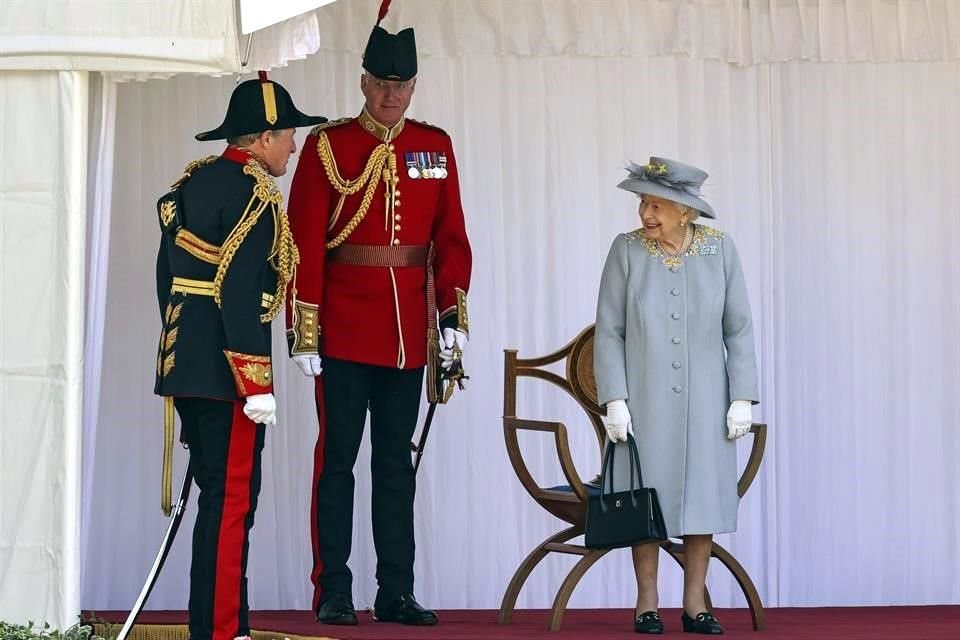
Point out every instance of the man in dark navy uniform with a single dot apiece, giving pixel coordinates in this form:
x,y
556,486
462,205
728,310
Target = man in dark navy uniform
x,y
226,256
381,298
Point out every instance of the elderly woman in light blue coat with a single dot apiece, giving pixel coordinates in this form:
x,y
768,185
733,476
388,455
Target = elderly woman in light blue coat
x,y
675,366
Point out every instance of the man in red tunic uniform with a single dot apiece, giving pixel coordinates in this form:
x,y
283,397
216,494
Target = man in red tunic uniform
x,y
375,210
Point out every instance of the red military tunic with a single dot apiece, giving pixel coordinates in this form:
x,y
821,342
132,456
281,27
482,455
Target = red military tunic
x,y
407,175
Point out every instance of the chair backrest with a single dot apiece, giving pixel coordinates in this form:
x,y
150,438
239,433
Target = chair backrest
x,y
569,504
579,381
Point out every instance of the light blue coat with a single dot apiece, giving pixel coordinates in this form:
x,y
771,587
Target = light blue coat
x,y
675,339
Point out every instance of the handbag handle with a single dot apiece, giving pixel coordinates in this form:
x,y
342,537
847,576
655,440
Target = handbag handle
x,y
635,471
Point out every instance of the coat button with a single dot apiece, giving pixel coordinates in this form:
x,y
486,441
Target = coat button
x,y
396,217
677,389
674,269
674,291
676,364
396,241
675,340
396,227
675,315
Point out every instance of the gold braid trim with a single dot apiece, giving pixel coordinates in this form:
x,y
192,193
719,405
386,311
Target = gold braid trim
x,y
265,192
373,170
287,259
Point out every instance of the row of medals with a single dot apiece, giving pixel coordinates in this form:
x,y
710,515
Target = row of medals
x,y
426,165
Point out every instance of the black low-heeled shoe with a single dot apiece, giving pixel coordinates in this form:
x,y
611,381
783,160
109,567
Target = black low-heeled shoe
x,y
648,622
703,623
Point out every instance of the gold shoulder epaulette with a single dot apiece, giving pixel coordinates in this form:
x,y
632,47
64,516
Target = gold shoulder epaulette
x,y
190,168
326,125
266,188
428,125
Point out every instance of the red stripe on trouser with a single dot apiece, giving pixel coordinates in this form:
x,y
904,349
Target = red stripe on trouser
x,y
236,506
317,469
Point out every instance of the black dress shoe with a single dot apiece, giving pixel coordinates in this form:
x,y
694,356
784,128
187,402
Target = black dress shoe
x,y
704,623
337,609
405,610
648,622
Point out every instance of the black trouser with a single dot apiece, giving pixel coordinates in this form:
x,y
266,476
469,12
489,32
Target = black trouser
x,y
345,391
225,448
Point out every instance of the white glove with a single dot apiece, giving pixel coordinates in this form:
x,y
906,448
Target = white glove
x,y
739,419
450,340
618,421
261,408
309,364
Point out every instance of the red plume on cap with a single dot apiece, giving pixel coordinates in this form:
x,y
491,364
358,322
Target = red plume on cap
x,y
384,7
263,76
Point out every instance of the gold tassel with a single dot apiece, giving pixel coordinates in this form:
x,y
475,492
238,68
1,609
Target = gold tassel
x,y
433,366
166,481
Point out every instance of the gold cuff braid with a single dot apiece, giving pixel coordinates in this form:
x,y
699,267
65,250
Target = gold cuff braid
x,y
463,322
306,328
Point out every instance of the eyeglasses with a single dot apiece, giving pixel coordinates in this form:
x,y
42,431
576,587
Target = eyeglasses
x,y
387,85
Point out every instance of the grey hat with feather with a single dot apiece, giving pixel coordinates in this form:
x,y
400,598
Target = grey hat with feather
x,y
669,179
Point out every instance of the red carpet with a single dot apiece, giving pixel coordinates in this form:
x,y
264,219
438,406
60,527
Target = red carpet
x,y
855,623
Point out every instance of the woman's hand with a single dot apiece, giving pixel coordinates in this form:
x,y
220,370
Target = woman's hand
x,y
739,419
617,421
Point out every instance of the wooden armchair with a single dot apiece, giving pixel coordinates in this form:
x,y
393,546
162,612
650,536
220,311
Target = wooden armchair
x,y
569,502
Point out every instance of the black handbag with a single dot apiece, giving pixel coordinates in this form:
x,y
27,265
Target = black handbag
x,y
623,518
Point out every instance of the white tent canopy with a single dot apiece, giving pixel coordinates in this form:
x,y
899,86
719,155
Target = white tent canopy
x,y
491,65
142,39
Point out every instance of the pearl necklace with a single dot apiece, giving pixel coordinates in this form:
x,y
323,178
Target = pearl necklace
x,y
674,256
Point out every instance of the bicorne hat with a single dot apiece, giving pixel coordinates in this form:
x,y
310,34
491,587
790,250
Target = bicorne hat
x,y
259,105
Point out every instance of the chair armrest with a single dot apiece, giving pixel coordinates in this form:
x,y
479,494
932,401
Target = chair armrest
x,y
759,432
559,431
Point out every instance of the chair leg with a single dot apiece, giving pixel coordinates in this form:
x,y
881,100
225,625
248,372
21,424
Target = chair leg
x,y
569,584
746,584
526,568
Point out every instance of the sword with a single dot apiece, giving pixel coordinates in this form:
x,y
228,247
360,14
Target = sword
x,y
454,378
418,448
175,519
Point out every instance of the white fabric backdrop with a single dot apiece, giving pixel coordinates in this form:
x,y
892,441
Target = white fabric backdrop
x,y
42,198
741,32
140,40
834,179
102,133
